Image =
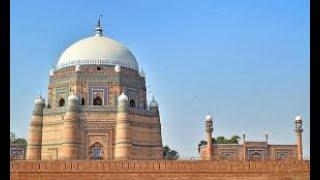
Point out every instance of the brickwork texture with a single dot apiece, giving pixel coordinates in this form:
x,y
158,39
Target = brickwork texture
x,y
152,169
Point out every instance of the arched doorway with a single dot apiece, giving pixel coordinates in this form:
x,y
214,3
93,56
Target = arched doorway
x,y
97,101
96,151
61,102
132,103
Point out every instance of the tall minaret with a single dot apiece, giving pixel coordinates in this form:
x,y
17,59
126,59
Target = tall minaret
x,y
71,140
299,130
123,145
244,146
209,129
267,136
35,132
157,129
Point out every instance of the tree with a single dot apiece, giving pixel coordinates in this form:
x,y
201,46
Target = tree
x,y
221,140
235,139
20,141
169,154
202,143
15,140
12,137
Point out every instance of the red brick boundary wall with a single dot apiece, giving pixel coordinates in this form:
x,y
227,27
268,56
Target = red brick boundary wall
x,y
96,170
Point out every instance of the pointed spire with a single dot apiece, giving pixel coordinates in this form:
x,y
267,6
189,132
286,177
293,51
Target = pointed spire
x,y
40,94
99,28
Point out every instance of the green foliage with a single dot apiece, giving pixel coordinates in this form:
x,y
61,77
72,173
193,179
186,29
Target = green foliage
x,y
21,141
15,140
221,140
169,154
12,137
235,139
202,143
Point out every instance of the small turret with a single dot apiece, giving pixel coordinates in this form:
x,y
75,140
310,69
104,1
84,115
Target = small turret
x,y
157,129
71,144
267,136
78,68
209,130
73,103
299,130
51,72
39,104
117,68
154,106
123,145
35,131
142,73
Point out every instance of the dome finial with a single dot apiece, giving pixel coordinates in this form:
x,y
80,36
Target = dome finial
x,y
98,28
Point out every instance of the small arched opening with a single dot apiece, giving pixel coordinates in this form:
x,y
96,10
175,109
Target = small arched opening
x,y
82,101
96,151
61,102
97,101
256,156
282,156
227,156
132,103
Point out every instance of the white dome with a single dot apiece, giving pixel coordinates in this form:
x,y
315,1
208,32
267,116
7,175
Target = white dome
x,y
97,50
117,68
73,97
208,117
298,118
123,97
39,100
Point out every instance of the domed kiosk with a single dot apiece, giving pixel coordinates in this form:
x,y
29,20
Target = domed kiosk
x,y
96,107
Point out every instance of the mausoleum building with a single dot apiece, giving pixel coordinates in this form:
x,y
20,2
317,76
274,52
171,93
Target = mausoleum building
x,y
96,107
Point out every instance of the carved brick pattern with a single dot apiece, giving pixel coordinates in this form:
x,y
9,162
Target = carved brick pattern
x,y
97,125
222,170
62,91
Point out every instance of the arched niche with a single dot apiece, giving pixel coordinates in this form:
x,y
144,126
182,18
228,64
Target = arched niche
x,y
97,101
96,151
61,102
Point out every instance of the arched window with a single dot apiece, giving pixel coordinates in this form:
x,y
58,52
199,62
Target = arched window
x,y
97,101
227,156
96,151
82,101
282,156
256,156
61,102
132,103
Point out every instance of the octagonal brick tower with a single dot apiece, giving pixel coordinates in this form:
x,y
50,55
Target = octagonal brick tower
x,y
81,117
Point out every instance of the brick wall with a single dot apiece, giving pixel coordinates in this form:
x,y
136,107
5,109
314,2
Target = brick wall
x,y
86,170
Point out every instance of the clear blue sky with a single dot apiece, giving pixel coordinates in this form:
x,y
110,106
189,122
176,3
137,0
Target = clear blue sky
x,y
245,61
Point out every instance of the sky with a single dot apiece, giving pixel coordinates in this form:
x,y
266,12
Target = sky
x,y
245,62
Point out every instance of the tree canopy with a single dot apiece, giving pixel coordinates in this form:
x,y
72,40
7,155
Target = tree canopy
x,y
170,154
221,140
15,140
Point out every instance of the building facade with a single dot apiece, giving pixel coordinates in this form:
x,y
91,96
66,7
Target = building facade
x,y
250,150
96,107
